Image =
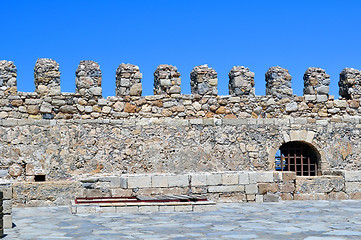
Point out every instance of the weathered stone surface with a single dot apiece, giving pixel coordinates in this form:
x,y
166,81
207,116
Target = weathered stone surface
x,y
166,80
8,74
350,83
316,81
128,80
204,80
241,81
324,184
54,193
47,77
278,82
88,79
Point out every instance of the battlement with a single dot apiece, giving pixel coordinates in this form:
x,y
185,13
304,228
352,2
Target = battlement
x,y
48,102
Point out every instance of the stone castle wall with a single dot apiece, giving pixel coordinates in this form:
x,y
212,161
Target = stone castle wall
x,y
65,136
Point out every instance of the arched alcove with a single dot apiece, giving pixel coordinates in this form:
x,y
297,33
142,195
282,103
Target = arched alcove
x,y
298,156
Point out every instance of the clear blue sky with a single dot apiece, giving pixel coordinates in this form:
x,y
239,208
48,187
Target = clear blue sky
x,y
256,34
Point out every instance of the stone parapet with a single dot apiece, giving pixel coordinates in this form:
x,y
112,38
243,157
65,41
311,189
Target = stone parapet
x,y
241,81
128,81
316,82
6,190
278,83
350,83
47,77
88,80
204,80
167,80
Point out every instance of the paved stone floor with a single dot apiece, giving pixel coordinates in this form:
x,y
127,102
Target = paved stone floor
x,y
312,220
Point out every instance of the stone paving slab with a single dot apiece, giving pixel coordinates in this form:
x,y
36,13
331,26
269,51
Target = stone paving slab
x,y
310,220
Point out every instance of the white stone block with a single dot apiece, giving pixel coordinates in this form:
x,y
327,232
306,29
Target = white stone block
x,y
214,179
148,208
166,208
106,210
202,208
229,178
183,208
353,187
352,176
127,209
259,198
258,177
251,189
221,189
199,180
178,181
86,209
7,221
243,178
159,181
139,181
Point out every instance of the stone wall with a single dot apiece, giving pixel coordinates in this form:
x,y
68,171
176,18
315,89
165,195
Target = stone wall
x,y
227,186
49,138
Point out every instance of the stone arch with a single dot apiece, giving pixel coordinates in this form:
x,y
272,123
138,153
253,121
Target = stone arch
x,y
296,136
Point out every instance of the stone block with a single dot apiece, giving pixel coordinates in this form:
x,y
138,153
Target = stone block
x,y
220,189
287,187
183,208
214,179
264,188
203,208
259,198
270,198
288,176
337,196
355,195
178,180
108,209
286,196
229,178
352,176
353,187
86,209
251,197
166,208
312,196
258,177
127,209
159,181
7,191
148,208
319,184
139,181
243,178
7,206
199,179
118,192
251,189
7,221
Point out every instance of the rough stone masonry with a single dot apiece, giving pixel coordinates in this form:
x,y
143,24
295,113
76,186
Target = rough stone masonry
x,y
55,146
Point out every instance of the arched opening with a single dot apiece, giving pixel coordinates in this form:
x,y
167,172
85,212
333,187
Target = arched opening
x,y
298,157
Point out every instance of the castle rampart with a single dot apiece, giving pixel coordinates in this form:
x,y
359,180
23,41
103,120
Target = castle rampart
x,y
64,138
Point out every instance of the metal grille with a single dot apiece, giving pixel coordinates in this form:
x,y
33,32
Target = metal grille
x,y
297,157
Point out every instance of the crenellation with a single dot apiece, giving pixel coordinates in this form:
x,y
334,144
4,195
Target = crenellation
x,y
167,80
350,83
316,82
88,80
128,80
204,80
241,81
47,77
278,83
8,75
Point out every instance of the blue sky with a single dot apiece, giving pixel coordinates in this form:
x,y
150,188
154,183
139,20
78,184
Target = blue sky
x,y
256,34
